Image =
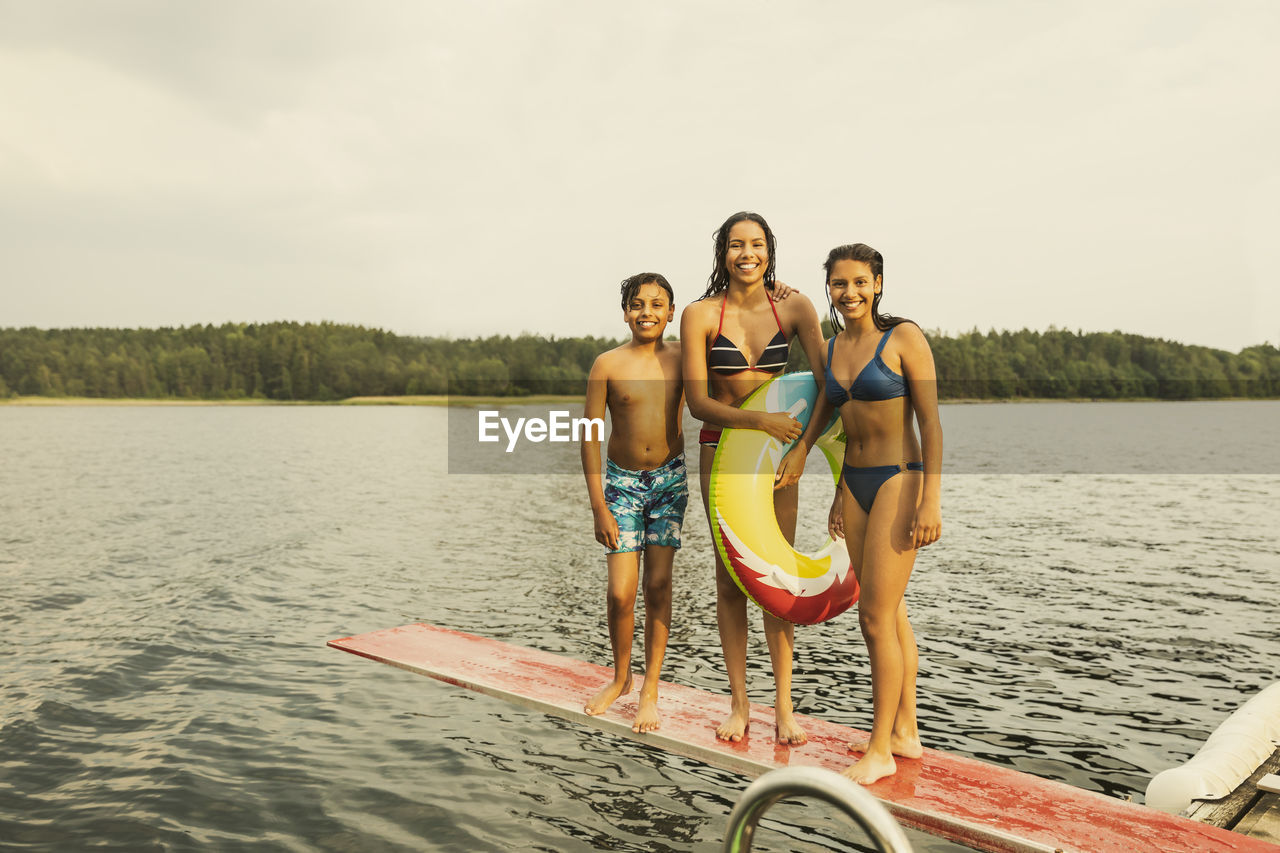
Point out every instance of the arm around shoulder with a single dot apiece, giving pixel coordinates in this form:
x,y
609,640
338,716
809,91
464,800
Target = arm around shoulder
x,y
806,326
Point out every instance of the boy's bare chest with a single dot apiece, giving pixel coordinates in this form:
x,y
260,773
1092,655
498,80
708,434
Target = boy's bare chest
x,y
654,385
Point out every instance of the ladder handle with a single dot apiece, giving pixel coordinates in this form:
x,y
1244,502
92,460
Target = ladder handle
x,y
847,795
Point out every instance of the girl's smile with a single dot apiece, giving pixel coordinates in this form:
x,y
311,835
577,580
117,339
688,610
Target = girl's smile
x,y
747,256
852,289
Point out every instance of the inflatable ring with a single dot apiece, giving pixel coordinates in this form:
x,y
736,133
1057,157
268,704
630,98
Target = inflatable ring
x,y
800,588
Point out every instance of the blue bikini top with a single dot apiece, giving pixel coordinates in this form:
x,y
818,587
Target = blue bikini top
x,y
875,382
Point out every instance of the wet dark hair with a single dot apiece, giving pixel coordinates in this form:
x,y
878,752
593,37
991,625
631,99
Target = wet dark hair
x,y
875,260
719,279
630,286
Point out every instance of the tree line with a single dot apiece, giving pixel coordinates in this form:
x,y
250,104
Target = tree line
x,y
331,361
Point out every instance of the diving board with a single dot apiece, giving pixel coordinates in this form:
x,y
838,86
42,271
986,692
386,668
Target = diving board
x,y
967,801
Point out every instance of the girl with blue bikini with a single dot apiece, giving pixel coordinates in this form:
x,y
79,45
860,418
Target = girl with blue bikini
x,y
879,376
733,340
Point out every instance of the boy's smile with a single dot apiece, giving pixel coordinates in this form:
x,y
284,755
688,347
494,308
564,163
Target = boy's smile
x,y
649,312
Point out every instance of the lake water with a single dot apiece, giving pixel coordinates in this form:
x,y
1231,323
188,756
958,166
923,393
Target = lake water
x,y
1102,597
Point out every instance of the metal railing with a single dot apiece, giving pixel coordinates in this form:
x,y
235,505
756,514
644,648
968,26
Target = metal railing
x,y
847,795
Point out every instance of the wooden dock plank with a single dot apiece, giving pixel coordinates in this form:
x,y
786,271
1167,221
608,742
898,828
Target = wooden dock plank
x,y
1263,820
1228,811
977,804
1247,810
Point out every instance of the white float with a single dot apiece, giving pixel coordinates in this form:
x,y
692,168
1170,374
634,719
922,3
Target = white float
x,y
1234,750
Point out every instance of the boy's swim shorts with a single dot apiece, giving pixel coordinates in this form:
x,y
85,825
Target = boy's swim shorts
x,y
648,505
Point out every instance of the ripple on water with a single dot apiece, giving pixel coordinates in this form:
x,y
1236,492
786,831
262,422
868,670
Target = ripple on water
x,y
172,576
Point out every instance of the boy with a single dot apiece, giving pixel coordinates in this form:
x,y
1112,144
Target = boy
x,y
640,504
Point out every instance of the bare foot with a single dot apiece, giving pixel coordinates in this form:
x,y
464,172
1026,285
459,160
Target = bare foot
x,y
608,694
736,726
901,746
870,768
789,731
647,719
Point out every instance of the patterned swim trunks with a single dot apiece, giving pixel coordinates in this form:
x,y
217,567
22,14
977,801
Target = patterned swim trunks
x,y
648,505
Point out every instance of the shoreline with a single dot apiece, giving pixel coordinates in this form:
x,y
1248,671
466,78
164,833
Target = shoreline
x,y
407,400
469,402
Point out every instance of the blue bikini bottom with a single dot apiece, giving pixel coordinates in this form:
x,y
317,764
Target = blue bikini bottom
x,y
865,482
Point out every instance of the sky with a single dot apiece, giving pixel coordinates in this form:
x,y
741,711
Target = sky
x,y
468,169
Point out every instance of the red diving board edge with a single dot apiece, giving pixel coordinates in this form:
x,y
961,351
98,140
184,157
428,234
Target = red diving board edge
x,y
970,802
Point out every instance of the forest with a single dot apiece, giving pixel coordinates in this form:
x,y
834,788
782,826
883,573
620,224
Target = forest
x,y
329,361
